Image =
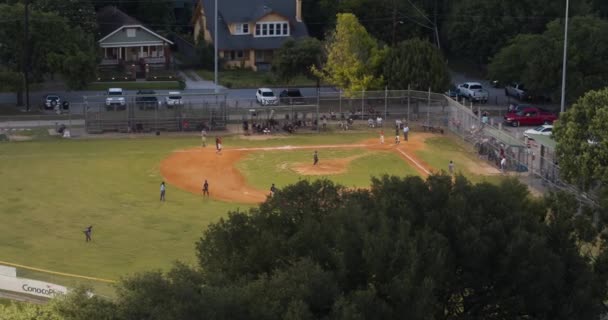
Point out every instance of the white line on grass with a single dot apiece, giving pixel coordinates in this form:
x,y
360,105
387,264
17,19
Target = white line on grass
x,y
414,161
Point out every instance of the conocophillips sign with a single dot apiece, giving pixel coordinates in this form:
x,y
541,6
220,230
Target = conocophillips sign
x,y
33,287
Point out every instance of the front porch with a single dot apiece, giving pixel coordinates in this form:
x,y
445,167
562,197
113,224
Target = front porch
x,y
256,60
144,54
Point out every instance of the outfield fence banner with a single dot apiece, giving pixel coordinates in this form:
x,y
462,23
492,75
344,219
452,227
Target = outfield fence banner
x,y
31,287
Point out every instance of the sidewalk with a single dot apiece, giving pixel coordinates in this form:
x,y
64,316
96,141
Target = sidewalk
x,y
195,82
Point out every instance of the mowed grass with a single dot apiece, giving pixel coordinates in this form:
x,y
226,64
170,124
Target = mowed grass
x,y
281,164
54,188
440,150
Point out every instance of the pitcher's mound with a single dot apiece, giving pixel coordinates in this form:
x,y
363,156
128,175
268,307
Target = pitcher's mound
x,y
327,167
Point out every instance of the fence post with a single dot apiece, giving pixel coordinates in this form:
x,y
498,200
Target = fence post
x,y
408,103
428,109
318,103
340,100
362,103
385,104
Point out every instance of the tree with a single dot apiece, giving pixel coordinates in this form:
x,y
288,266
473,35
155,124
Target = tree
x,y
536,60
417,63
582,140
79,13
54,46
297,57
478,29
353,57
26,311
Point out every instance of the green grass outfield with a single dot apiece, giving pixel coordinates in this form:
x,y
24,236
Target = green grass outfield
x,y
255,166
53,189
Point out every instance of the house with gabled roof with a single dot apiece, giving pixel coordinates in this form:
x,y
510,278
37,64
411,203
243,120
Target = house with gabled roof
x,y
124,40
249,31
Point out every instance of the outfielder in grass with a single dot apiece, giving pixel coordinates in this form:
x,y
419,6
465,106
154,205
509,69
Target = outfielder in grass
x,y
87,233
315,158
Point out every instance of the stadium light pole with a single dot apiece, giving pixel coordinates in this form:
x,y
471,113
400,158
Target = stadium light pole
x,y
215,40
563,101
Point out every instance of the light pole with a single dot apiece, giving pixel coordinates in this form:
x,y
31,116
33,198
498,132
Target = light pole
x,y
215,43
563,102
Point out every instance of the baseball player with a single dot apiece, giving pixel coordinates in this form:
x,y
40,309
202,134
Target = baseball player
x,y
206,188
218,144
87,233
162,191
315,158
382,136
204,137
451,167
273,190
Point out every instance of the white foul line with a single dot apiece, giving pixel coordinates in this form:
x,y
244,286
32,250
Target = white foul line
x,y
414,161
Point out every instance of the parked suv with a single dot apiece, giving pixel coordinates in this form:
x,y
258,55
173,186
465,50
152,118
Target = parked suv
x,y
174,99
291,96
265,96
115,99
51,101
146,99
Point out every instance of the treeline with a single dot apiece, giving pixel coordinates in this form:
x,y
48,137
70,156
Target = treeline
x,y
407,248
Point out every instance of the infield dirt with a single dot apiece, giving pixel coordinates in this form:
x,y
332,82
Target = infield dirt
x,y
187,169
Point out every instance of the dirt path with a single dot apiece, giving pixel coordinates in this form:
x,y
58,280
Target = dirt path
x,y
187,169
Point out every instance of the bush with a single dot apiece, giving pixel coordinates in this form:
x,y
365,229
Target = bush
x,y
161,75
109,75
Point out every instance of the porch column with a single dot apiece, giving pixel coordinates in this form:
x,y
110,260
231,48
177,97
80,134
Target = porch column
x,y
119,53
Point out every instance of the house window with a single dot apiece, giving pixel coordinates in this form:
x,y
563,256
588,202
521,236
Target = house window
x,y
236,55
271,29
131,32
242,28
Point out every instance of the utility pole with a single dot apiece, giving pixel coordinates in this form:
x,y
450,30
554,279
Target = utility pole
x,y
26,56
215,44
435,26
394,23
563,101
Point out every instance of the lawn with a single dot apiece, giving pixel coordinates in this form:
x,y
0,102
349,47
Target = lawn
x,y
252,79
441,150
365,164
54,188
133,85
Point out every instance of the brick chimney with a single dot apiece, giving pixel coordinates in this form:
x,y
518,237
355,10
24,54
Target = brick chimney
x,y
299,10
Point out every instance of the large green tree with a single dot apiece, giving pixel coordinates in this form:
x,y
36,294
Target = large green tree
x,y
79,13
536,59
353,57
297,57
418,64
582,140
478,29
54,46
406,248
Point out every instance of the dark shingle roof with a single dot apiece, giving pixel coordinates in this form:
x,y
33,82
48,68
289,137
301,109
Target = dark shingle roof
x,y
111,18
235,11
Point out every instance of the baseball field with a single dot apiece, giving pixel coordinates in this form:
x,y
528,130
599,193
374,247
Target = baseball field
x,y
53,189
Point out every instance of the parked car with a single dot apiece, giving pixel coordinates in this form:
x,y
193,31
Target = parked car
x,y
514,108
115,99
51,101
516,90
473,91
174,99
265,96
544,130
146,99
291,96
529,117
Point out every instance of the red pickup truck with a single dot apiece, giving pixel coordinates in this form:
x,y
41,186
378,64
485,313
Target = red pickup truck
x,y
529,116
